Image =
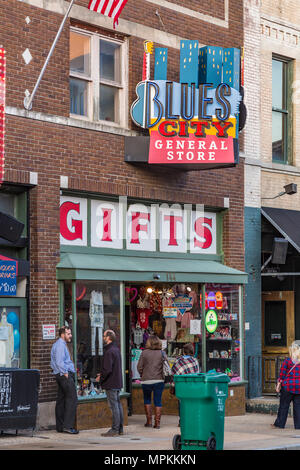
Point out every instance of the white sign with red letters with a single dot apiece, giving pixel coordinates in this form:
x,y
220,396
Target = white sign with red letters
x,y
118,225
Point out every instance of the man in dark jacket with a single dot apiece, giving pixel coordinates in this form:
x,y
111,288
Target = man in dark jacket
x,y
112,382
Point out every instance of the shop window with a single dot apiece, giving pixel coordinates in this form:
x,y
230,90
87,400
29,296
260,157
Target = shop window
x,y
96,78
7,204
223,329
97,309
173,313
10,337
13,333
281,111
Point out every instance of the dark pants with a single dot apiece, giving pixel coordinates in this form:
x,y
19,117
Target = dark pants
x,y
113,399
284,404
66,402
157,390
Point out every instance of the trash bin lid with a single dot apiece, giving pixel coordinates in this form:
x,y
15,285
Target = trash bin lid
x,y
203,377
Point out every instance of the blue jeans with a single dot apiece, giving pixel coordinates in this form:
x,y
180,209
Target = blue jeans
x,y
113,398
157,390
285,400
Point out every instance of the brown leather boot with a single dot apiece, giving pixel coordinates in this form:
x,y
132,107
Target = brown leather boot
x,y
148,412
157,417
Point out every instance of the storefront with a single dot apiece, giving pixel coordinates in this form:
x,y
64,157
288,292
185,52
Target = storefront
x,y
160,262
14,276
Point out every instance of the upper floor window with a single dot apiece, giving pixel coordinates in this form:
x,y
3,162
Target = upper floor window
x,y
97,78
281,111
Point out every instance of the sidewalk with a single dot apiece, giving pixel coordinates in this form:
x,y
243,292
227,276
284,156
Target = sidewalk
x,y
251,431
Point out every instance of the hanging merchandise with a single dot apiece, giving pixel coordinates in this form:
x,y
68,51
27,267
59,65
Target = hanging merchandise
x,y
167,304
183,302
143,317
143,299
155,302
135,355
138,336
96,314
170,329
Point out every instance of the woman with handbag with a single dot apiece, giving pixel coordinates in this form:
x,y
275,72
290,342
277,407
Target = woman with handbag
x,y
151,370
288,385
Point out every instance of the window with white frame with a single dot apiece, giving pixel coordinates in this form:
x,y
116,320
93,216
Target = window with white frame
x,y
97,78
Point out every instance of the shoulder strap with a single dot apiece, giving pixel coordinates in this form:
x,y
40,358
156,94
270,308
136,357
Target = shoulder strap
x,y
291,369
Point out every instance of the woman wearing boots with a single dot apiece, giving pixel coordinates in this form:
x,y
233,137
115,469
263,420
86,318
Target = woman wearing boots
x,y
150,368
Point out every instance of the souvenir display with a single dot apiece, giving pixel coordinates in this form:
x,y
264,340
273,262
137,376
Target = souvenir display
x,y
97,309
171,311
167,311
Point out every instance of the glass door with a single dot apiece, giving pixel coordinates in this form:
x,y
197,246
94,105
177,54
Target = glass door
x,y
13,333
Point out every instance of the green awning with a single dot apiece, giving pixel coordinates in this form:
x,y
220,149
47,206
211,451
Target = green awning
x,y
141,269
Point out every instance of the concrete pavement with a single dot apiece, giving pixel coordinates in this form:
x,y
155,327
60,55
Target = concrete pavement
x,y
251,431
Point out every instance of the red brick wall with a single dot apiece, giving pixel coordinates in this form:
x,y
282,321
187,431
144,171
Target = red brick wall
x,y
94,161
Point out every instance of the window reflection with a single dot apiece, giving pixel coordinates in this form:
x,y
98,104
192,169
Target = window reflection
x,y
109,61
279,111
97,309
79,53
108,97
78,97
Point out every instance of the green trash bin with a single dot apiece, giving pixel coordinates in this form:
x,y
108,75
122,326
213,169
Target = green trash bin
x,y
202,410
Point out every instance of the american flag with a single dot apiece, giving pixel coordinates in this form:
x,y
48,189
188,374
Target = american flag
x,y
111,8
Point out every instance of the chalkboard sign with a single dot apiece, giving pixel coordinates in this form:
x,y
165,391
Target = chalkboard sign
x,y
19,390
8,277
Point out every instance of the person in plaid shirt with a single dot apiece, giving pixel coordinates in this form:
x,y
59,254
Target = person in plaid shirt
x,y
186,364
289,379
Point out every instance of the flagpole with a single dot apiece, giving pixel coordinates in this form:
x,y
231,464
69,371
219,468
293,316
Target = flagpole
x,y
28,99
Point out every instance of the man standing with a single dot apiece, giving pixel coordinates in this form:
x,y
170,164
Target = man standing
x,y
111,381
64,371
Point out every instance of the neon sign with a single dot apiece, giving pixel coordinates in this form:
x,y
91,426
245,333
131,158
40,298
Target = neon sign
x,y
194,121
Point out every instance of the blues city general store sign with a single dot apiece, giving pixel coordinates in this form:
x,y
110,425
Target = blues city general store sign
x,y
193,123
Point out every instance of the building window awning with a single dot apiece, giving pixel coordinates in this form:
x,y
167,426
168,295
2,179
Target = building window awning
x,y
142,269
287,222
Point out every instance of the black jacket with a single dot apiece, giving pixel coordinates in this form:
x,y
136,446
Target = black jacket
x,y
111,368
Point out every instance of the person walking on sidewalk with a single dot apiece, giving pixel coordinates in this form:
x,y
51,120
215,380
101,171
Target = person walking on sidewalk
x,y
186,364
150,368
289,387
111,381
64,371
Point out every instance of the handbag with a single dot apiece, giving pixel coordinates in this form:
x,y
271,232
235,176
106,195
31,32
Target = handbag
x,y
166,369
278,385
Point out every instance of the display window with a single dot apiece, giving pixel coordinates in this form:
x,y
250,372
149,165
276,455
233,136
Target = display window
x,y
223,334
97,309
173,312
13,333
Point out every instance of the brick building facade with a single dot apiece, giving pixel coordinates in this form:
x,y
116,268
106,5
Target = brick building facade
x,y
48,151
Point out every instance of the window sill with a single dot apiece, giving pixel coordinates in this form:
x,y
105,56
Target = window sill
x,y
82,123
